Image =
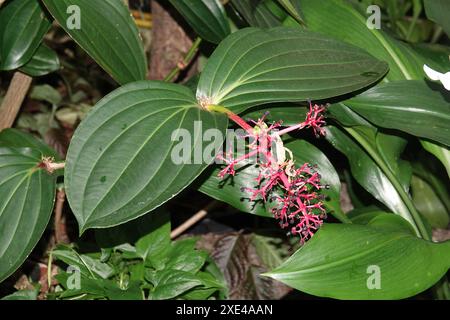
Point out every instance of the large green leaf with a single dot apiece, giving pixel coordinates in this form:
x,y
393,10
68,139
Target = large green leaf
x,y
229,189
23,24
44,61
27,195
370,169
107,32
206,17
437,11
410,106
119,163
338,19
254,66
343,261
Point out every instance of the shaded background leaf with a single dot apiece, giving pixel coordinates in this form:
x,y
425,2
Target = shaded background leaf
x,y
107,33
206,17
23,24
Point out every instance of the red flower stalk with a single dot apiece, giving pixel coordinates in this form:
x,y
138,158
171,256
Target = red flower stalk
x,y
298,206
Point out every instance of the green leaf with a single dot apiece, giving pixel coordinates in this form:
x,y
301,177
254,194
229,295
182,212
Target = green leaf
x,y
338,19
172,283
365,214
433,55
44,61
254,66
23,24
343,261
439,151
183,256
88,266
198,294
107,32
23,295
374,174
267,251
427,168
437,11
293,7
92,288
156,244
389,147
410,106
206,17
14,138
229,189
27,194
46,93
121,161
256,13
291,114
429,204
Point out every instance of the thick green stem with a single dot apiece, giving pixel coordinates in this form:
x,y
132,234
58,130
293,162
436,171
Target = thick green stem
x,y
414,215
186,61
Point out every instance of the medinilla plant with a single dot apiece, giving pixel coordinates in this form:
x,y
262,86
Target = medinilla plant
x,y
278,68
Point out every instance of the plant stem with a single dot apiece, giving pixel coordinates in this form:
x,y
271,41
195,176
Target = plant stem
x,y
232,116
185,62
49,270
60,229
437,34
412,25
18,88
414,216
50,166
192,220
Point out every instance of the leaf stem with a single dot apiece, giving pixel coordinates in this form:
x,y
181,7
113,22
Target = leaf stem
x,y
185,62
414,216
232,116
48,165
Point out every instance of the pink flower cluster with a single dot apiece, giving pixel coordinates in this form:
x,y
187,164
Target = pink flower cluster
x,y
294,190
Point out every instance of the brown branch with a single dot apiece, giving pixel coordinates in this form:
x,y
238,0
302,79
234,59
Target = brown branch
x,y
14,97
193,220
60,226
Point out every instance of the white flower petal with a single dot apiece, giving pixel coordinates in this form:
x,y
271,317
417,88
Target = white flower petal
x,y
445,79
432,74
